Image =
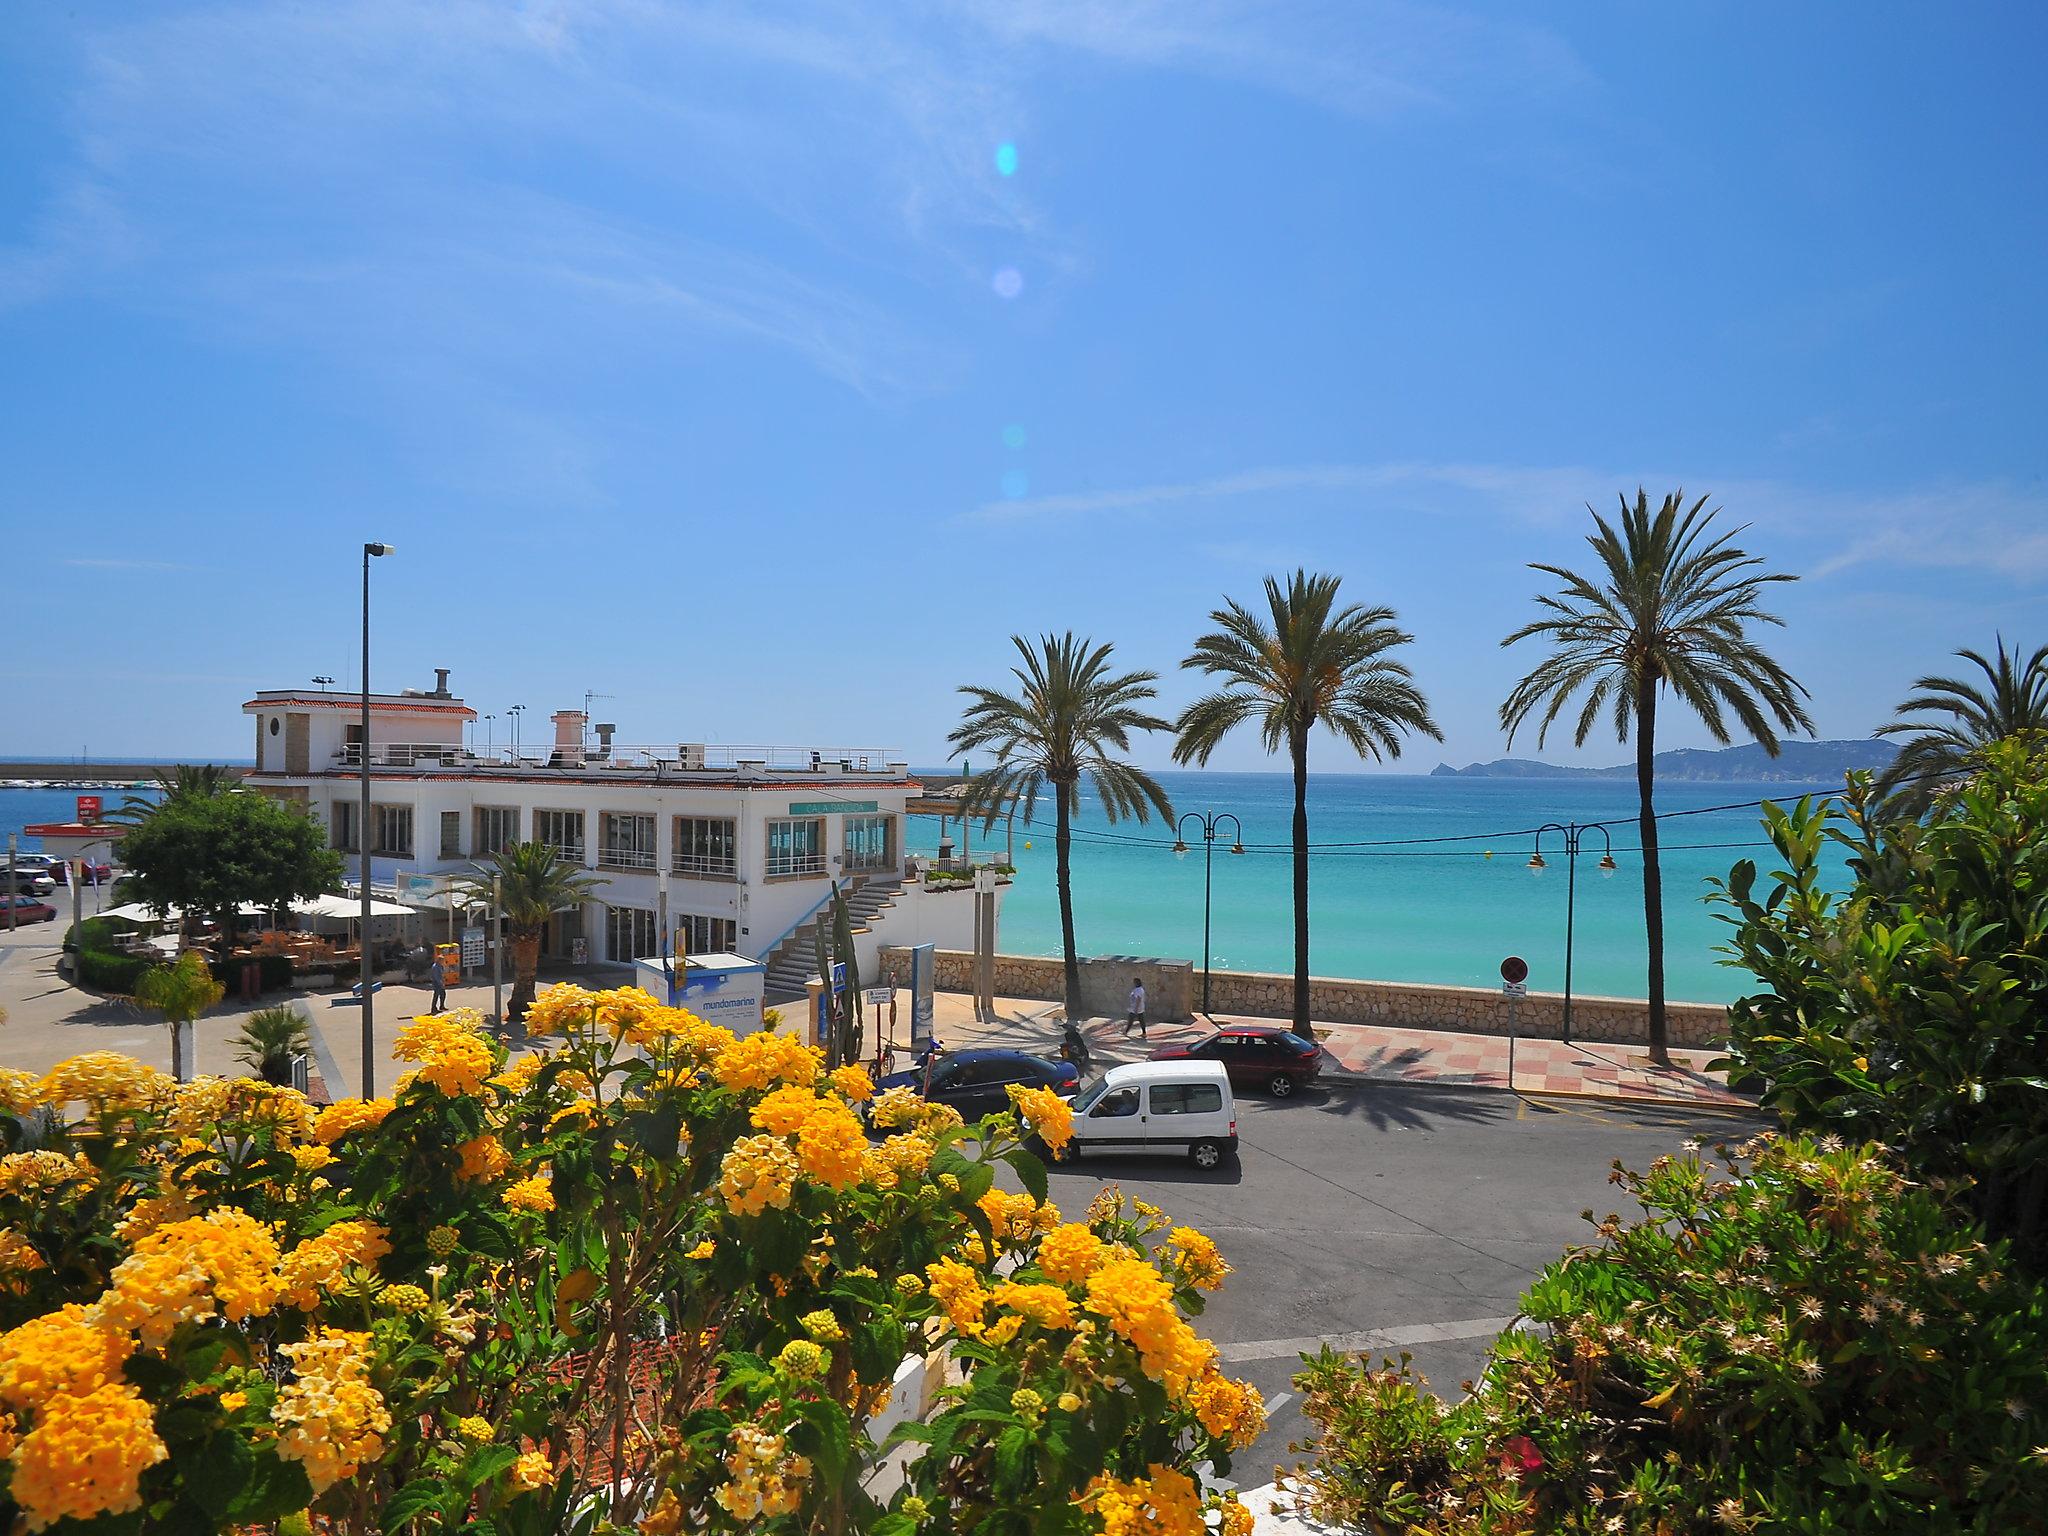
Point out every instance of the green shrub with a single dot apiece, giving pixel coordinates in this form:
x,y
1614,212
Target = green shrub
x,y
1912,1009
107,971
1808,1343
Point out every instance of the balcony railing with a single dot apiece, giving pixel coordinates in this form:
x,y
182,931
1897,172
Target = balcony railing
x,y
665,760
626,858
796,864
708,864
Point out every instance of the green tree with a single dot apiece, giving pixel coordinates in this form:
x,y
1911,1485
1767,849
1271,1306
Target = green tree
x,y
1311,663
180,991
209,855
1669,606
1069,714
1948,722
534,883
270,1038
1912,1007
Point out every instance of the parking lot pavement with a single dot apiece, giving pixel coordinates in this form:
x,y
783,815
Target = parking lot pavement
x,y
1388,1218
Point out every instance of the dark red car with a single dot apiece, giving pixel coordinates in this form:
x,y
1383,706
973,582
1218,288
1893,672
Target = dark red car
x,y
1268,1056
26,910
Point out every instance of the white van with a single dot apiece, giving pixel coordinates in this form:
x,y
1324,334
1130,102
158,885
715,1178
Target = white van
x,y
1158,1106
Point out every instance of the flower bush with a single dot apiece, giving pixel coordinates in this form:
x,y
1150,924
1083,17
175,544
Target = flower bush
x,y
1798,1340
651,1277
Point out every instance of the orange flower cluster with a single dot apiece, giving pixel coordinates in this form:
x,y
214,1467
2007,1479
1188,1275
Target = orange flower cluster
x,y
311,1269
223,1263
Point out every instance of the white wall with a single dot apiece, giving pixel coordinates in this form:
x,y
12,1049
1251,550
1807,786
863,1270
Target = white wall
x,y
920,916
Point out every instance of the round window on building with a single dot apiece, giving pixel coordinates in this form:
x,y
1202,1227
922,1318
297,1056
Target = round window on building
x,y
273,725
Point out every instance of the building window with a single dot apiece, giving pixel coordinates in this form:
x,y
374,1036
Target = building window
x,y
345,826
629,933
391,830
706,845
561,831
707,935
870,843
497,828
796,846
451,834
628,841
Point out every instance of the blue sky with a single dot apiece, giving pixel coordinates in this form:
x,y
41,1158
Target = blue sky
x,y
706,357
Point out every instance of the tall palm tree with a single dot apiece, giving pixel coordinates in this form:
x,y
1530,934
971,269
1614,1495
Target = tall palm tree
x,y
1669,606
534,883
1070,712
1953,719
1312,664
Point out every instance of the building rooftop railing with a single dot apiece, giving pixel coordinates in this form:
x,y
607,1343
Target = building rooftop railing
x,y
679,760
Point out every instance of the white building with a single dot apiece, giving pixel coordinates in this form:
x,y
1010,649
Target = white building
x,y
746,841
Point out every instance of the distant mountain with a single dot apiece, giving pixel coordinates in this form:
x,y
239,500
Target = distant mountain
x,y
1797,762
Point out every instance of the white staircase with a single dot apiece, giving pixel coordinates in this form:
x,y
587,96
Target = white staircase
x,y
794,962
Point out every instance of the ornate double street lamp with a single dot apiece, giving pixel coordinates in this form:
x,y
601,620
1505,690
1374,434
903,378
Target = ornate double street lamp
x,y
1208,822
1573,832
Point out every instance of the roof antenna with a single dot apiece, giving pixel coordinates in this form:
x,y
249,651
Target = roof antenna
x,y
588,695
323,682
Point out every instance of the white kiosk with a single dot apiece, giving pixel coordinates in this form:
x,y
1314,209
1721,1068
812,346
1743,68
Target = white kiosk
x,y
727,990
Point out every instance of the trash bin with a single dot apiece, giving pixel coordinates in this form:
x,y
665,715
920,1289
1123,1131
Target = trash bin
x,y
252,980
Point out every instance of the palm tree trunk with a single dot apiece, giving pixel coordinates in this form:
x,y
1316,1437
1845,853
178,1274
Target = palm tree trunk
x,y
1063,843
1298,749
1653,874
525,968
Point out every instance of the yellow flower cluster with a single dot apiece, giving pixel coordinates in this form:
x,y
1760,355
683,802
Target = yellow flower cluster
x,y
761,1479
1050,1117
483,1158
64,1353
532,1470
214,1107
853,1083
477,1431
534,1195
759,1171
329,1417
1136,1302
1071,1253
823,1326
224,1263
1229,1410
1018,1217
763,1059
1164,1502
1049,1306
958,1289
18,1259
894,1108
86,1456
1195,1255
311,1270
831,1146
900,1157
451,1050
148,1215
345,1115
20,1091
802,1358
105,1081
41,1173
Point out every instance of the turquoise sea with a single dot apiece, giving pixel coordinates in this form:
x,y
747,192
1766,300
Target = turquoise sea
x,y
1414,911
1419,911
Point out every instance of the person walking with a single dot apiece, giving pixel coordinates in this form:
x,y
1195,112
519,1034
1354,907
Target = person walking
x,y
1134,1018
440,984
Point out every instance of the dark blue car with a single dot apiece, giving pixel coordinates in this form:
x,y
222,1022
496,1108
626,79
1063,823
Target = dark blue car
x,y
977,1082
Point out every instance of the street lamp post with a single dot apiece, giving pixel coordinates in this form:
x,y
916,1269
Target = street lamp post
x,y
369,1087
515,712
1208,822
1572,832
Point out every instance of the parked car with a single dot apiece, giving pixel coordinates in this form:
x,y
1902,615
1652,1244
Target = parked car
x,y
27,910
1158,1106
977,1082
1268,1056
23,878
60,871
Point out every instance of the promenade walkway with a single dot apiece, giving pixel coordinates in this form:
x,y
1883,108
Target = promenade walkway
x,y
1374,1054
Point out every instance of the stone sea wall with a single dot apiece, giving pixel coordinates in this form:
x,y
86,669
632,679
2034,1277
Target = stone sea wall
x,y
1174,987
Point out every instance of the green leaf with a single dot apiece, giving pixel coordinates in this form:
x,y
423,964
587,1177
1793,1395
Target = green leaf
x,y
1031,1172
416,1498
1013,1458
217,1471
273,1488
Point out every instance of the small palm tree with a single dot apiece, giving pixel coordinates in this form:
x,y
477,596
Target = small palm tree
x,y
1307,663
270,1038
1670,606
180,991
186,781
1950,720
1069,713
534,883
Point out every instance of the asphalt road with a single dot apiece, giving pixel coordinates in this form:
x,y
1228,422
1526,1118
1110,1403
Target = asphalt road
x,y
1386,1217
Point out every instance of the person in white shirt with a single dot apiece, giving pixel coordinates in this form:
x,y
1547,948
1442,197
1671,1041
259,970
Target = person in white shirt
x,y
1135,1018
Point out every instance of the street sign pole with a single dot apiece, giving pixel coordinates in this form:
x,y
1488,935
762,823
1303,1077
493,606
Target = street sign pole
x,y
1514,985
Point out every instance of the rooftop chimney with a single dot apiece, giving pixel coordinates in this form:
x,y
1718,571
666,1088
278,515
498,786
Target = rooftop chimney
x,y
569,725
441,683
604,737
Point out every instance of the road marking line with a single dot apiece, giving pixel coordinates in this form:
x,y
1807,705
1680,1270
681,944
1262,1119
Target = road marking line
x,y
1278,1401
1368,1340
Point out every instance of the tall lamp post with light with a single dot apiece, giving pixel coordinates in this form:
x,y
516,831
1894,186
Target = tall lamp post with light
x,y
1208,821
363,981
1573,832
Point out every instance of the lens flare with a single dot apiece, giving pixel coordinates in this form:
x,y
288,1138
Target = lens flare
x,y
1008,283
1013,436
1006,159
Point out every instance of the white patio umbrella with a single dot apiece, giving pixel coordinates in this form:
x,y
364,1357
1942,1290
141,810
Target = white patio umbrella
x,y
348,907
